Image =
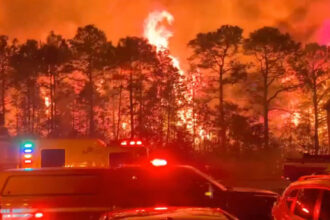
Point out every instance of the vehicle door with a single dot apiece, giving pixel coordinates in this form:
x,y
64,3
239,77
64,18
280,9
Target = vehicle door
x,y
324,213
282,209
304,207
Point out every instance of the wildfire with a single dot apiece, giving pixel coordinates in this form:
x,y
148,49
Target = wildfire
x,y
157,33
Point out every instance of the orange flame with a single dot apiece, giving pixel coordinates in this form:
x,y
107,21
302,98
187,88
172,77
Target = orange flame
x,y
157,33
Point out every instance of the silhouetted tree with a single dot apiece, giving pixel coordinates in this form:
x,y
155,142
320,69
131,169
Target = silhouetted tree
x,y
270,50
27,65
89,46
312,69
136,58
217,52
54,54
6,51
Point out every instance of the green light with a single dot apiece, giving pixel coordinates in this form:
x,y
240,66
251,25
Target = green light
x,y
28,145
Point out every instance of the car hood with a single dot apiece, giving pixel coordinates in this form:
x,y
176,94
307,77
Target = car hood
x,y
171,213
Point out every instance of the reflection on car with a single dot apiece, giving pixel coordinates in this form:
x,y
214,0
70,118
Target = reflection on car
x,y
307,198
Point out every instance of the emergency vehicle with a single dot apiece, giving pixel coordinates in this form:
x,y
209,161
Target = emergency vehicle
x,y
85,152
305,164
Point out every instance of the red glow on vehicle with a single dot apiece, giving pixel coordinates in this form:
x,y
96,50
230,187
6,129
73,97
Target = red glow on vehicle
x,y
123,143
305,210
160,208
132,142
158,162
27,161
38,215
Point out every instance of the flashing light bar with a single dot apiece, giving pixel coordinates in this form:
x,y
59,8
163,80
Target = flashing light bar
x,y
131,143
28,156
158,162
27,150
27,145
27,161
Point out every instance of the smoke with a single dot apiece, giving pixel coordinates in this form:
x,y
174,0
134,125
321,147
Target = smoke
x,y
304,19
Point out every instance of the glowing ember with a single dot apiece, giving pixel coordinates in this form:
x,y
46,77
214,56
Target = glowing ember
x,y
47,102
295,118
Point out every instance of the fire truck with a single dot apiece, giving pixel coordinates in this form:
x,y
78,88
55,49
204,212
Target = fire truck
x,y
85,152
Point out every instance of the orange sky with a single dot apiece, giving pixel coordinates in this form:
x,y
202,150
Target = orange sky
x,y
307,20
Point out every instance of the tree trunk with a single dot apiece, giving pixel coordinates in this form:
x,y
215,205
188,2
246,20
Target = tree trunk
x,y
51,128
266,126
131,102
3,95
221,110
54,101
33,106
168,124
266,106
91,101
119,112
316,121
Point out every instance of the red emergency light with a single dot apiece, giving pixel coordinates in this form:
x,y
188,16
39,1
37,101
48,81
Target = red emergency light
x,y
131,143
158,162
39,215
27,161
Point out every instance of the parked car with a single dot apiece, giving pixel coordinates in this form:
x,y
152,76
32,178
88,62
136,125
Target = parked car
x,y
308,198
65,193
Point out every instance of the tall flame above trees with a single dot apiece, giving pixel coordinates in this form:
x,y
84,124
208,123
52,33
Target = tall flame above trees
x,y
158,35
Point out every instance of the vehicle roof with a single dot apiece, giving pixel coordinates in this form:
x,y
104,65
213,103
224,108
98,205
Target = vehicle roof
x,y
68,140
310,181
84,170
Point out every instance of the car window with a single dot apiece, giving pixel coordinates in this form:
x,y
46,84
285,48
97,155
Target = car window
x,y
291,196
41,185
305,203
325,206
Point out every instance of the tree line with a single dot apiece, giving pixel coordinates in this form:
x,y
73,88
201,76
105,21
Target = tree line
x,y
232,98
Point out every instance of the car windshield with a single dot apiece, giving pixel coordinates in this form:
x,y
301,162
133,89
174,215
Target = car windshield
x,y
154,187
